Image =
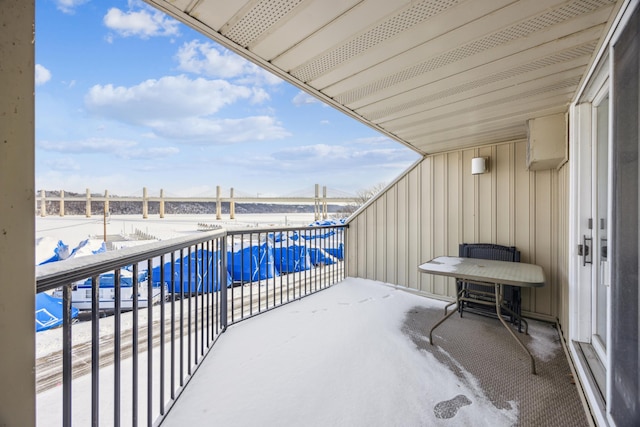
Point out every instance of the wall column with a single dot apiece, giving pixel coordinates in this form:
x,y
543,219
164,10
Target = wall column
x,y
232,206
43,203
145,203
88,205
61,202
106,201
324,203
161,208
17,214
218,204
316,204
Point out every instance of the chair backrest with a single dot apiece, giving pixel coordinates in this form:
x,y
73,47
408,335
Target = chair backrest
x,y
489,251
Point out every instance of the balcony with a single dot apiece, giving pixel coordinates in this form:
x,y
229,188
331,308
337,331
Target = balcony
x,y
357,353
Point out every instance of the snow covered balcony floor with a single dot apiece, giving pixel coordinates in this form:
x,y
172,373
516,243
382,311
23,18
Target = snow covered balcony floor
x,y
357,354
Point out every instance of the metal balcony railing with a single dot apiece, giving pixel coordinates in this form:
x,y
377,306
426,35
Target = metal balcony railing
x,y
155,311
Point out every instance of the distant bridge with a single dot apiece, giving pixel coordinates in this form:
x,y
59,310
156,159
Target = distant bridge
x,y
319,201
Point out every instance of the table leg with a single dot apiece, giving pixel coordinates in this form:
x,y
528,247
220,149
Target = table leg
x,y
438,324
498,306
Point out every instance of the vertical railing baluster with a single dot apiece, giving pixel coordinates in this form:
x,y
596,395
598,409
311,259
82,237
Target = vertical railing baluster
x,y
162,332
95,350
182,281
134,394
223,290
205,291
117,344
198,280
210,285
67,374
149,344
173,325
189,284
281,265
345,262
223,283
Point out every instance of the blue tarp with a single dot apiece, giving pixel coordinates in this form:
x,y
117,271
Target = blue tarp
x,y
292,259
252,264
107,280
62,252
321,257
336,252
198,280
49,312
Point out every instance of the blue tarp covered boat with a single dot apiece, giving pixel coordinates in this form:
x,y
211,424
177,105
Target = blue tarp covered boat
x,y
202,265
49,312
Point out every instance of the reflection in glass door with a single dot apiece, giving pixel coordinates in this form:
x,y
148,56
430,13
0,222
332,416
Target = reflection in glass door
x,y
601,262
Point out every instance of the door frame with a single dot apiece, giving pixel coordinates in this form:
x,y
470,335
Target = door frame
x,y
580,205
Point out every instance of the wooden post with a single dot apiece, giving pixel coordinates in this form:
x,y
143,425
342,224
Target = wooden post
x,y
88,205
316,203
232,206
161,203
106,201
324,202
145,204
218,204
43,204
61,202
105,212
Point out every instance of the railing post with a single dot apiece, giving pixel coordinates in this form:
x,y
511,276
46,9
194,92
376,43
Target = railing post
x,y
61,202
223,282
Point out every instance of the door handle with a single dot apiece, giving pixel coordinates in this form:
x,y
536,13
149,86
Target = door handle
x,y
584,250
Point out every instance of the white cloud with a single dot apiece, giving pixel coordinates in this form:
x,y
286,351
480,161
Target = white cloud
x,y
380,139
303,98
63,164
121,149
42,75
183,109
222,131
259,95
208,59
143,23
69,6
348,157
167,98
149,153
90,145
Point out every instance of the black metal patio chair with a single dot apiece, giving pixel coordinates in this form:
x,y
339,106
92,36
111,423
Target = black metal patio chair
x,y
485,294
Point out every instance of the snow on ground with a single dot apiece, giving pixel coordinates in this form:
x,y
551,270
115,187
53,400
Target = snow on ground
x,y
337,358
73,229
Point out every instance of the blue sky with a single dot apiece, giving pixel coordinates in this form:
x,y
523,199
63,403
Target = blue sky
x,y
127,97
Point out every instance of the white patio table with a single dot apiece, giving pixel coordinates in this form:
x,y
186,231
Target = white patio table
x,y
490,272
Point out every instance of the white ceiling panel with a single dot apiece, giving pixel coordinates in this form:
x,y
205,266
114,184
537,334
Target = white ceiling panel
x,y
434,75
309,19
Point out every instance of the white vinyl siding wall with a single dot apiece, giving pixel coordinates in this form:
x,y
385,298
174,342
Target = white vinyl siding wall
x,y
439,204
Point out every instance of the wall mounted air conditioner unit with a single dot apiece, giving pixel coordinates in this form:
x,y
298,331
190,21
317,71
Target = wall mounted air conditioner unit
x,y
547,142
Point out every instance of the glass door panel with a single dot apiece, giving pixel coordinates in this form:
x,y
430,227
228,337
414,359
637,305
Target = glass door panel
x,y
601,275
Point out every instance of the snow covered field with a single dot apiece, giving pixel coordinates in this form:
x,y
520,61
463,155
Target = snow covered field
x,y
73,229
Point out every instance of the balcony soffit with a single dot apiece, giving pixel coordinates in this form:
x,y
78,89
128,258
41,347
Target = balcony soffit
x,y
435,75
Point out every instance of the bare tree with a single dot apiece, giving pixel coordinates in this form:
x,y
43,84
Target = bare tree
x,y
362,196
